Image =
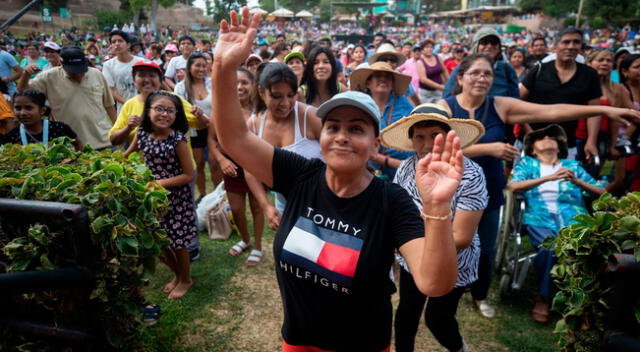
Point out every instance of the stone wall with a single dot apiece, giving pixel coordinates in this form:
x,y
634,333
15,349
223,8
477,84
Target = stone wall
x,y
177,16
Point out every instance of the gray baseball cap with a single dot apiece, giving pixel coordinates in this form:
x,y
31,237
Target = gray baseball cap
x,y
356,99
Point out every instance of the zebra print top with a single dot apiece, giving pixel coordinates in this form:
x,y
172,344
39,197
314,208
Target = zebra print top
x,y
471,195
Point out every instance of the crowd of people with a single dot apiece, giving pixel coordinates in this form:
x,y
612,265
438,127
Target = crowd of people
x,y
391,151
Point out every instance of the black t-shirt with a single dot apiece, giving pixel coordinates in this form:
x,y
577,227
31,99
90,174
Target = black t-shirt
x,y
56,129
545,88
333,256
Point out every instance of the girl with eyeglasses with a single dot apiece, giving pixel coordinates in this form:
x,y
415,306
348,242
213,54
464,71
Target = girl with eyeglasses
x,y
163,142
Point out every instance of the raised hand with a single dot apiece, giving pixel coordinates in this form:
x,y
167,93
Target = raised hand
x,y
439,173
235,39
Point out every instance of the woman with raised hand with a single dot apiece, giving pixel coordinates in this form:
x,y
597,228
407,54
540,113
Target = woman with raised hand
x,y
341,225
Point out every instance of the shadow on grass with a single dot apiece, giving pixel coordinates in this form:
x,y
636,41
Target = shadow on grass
x,y
211,274
516,329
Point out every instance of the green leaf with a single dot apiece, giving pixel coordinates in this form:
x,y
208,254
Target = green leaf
x,y
115,168
127,245
628,245
585,220
147,239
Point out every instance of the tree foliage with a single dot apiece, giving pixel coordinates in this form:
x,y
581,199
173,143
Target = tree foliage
x,y
221,8
613,12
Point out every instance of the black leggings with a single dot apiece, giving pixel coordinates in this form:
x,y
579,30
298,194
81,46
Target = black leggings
x,y
440,316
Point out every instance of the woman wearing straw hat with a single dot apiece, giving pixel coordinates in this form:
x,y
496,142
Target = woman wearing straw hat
x,y
475,78
387,87
552,187
341,225
416,133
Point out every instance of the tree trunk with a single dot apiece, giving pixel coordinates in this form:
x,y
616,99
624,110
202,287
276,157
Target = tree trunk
x,y
154,15
136,18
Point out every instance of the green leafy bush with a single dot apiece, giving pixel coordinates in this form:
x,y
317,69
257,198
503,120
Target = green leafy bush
x,y
582,250
125,209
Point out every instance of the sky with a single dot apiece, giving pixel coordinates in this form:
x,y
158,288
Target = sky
x,y
200,3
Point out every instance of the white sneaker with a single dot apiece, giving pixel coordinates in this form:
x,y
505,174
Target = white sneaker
x,y
485,308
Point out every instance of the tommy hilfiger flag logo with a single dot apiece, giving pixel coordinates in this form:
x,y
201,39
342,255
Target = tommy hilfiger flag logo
x,y
331,254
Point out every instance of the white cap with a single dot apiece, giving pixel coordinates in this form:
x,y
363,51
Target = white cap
x,y
52,45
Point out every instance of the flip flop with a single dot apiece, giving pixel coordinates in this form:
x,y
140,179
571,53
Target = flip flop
x,y
238,248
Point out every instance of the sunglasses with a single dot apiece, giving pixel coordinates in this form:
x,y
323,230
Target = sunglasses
x,y
489,41
389,59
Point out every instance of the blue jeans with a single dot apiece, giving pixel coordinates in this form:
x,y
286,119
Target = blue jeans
x,y
544,260
487,231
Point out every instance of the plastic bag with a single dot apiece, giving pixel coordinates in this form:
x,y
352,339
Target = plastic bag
x,y
209,201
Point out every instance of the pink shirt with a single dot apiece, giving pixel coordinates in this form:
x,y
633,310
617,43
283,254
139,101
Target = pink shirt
x,y
409,68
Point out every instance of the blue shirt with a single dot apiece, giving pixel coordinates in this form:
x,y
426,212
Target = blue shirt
x,y
401,108
505,82
7,62
570,200
493,132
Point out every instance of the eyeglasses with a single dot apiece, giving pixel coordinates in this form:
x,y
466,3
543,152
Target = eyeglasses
x,y
477,74
389,59
161,110
489,41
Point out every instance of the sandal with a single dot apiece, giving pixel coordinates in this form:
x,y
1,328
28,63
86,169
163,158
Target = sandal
x,y
254,258
151,314
540,317
238,248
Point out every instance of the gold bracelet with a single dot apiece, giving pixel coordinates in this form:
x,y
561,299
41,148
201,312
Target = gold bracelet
x,y
431,217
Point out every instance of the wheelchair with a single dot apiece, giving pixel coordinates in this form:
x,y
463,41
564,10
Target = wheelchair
x,y
514,253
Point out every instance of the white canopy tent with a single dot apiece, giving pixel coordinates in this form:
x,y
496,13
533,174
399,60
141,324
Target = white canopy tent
x,y
258,10
282,12
304,14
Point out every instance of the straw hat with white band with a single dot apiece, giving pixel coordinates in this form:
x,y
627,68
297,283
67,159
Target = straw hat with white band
x,y
358,78
386,49
396,135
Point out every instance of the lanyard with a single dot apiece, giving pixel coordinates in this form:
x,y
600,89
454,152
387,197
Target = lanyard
x,y
390,116
45,134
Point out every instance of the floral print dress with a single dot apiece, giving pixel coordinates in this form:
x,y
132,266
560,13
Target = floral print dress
x,y
160,156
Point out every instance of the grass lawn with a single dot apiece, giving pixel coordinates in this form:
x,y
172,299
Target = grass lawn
x,y
232,307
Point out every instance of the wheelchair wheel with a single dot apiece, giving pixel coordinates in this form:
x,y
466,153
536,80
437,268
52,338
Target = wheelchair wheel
x,y
505,286
505,230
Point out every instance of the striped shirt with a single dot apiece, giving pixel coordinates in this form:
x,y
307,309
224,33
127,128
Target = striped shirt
x,y
471,195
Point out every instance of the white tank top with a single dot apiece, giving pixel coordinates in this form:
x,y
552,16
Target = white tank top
x,y
308,148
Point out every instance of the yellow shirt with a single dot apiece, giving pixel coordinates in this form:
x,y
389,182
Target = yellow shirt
x,y
134,106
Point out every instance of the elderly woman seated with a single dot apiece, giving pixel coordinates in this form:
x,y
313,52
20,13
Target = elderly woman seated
x,y
552,187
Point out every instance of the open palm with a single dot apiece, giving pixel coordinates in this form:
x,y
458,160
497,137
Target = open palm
x,y
235,38
439,173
